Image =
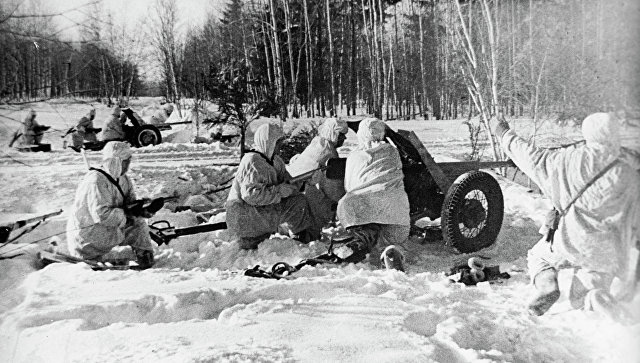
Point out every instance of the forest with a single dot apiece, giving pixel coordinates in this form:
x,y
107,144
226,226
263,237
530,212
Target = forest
x,y
409,59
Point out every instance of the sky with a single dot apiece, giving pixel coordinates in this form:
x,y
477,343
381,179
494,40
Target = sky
x,y
191,12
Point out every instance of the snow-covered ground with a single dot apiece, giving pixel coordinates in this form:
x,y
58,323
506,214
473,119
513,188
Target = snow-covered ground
x,y
195,305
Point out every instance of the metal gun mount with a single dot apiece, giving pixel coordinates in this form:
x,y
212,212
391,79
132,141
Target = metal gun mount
x,y
162,232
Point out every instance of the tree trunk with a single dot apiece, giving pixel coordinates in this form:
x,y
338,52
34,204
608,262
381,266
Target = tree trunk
x,y
287,16
307,26
279,66
332,102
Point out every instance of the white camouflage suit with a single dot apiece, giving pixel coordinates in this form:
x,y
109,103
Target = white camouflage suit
x,y
114,126
374,187
596,235
84,130
97,221
260,200
320,191
31,129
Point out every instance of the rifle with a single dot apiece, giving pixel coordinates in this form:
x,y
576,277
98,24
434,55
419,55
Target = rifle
x,y
5,230
70,131
162,235
149,205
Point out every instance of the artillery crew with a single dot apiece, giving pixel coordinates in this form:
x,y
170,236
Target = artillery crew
x,y
261,199
32,131
85,132
114,127
161,116
594,188
323,193
375,208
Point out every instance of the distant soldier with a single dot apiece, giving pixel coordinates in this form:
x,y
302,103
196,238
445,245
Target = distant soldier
x,y
114,127
85,132
161,116
32,131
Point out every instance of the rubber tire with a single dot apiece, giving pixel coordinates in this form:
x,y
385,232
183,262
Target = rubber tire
x,y
146,130
454,202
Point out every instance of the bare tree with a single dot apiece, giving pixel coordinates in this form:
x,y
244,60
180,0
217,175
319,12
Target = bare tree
x,y
166,44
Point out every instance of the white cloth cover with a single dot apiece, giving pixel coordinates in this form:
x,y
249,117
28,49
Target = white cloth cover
x,y
373,181
112,129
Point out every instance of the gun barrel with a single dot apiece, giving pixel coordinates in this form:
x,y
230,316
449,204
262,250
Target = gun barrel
x,y
208,227
23,222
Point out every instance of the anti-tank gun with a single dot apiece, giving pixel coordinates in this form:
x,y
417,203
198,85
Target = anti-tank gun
x,y
468,201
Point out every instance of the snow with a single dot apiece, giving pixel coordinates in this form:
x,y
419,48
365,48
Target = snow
x,y
195,305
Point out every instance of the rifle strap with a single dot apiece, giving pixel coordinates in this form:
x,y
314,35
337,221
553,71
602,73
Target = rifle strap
x,y
113,181
270,161
564,211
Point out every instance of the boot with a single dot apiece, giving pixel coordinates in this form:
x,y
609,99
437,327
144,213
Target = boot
x,y
364,238
352,252
392,258
306,236
548,292
251,243
603,303
144,258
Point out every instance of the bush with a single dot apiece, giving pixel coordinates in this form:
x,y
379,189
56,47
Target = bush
x,y
296,140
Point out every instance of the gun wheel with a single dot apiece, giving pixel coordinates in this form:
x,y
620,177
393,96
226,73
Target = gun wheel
x,y
472,212
147,135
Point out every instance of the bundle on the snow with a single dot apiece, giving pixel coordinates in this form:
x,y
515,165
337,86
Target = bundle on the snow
x,y
474,272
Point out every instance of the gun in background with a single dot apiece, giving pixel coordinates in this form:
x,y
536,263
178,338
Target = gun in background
x,y
162,235
5,230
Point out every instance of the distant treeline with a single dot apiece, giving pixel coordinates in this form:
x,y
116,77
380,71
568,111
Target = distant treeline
x,y
396,59
419,57
35,63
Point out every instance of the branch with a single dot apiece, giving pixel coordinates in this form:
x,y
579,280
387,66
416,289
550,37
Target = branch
x,y
27,16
